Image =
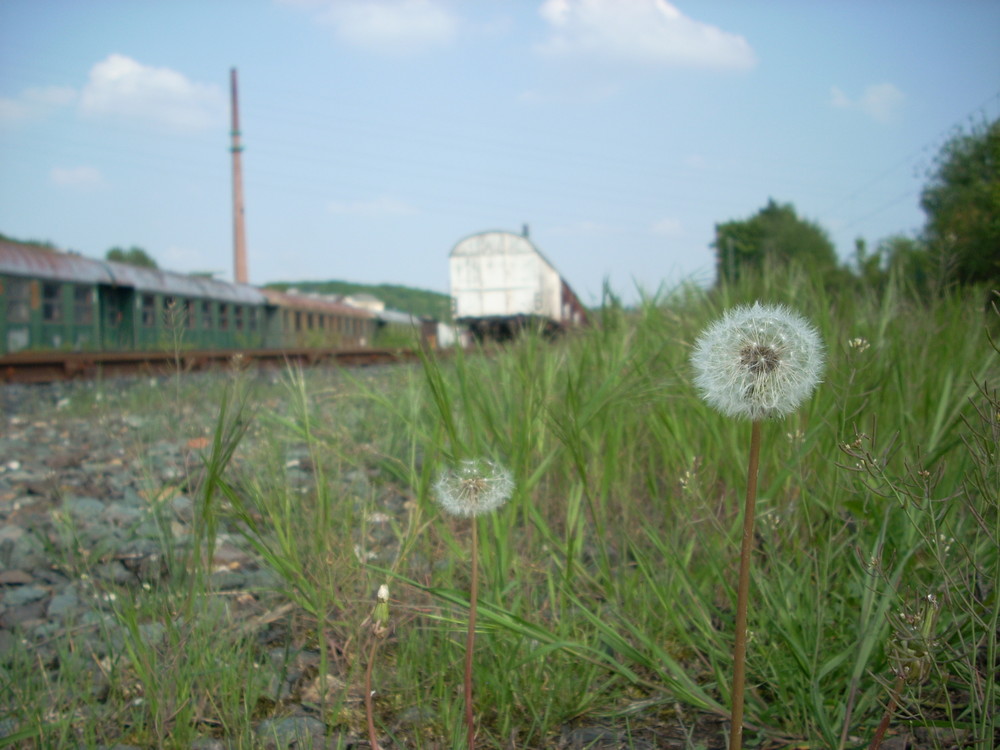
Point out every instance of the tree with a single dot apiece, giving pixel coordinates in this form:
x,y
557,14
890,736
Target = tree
x,y
134,256
775,234
962,203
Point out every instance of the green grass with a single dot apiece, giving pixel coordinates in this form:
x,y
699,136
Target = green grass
x,y
607,588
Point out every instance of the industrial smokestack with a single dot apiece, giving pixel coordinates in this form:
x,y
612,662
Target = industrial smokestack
x,y
239,226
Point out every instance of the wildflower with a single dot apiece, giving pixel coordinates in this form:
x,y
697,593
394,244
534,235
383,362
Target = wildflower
x,y
380,618
911,647
758,361
860,344
474,487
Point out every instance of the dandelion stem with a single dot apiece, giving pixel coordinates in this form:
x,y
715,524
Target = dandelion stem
x,y
369,707
883,726
470,639
743,592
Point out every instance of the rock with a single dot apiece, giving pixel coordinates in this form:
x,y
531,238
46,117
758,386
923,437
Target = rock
x,y
299,732
14,577
113,572
15,597
64,604
24,615
83,508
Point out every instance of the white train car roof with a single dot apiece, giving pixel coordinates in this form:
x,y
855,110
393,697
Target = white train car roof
x,y
499,274
502,274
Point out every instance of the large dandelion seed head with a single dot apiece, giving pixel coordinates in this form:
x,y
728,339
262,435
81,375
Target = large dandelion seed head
x,y
758,361
473,487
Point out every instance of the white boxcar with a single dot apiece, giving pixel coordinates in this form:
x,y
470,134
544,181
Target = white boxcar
x,y
500,281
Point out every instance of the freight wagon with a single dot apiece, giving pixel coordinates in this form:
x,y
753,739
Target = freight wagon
x,y
501,282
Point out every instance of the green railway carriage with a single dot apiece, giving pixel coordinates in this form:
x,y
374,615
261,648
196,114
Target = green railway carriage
x,y
312,321
57,301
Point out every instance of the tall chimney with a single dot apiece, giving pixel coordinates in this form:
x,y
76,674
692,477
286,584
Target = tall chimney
x,y
239,226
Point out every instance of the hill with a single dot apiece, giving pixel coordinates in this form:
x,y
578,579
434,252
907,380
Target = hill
x,y
414,301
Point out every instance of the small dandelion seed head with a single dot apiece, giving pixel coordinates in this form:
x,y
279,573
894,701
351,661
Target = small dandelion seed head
x,y
473,487
757,362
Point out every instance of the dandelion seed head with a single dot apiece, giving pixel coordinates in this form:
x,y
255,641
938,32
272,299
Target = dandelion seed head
x,y
758,361
473,487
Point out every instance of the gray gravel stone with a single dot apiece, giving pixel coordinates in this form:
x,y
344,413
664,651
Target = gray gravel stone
x,y
84,508
18,595
292,732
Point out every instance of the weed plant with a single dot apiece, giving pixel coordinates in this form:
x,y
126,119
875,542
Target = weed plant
x,y
606,591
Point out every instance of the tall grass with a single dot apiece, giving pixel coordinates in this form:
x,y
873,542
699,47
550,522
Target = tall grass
x,y
607,588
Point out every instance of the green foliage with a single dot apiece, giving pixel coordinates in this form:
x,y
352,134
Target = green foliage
x,y
406,299
608,580
134,256
775,235
33,244
901,261
962,202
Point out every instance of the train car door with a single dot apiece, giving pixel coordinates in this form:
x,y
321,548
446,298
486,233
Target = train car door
x,y
117,317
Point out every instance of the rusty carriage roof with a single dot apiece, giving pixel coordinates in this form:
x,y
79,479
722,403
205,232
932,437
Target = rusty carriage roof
x,y
314,303
18,259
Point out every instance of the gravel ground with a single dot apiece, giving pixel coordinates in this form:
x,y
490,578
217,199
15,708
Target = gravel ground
x,y
88,488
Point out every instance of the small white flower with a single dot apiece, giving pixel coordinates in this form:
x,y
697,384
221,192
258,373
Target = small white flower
x,y
474,487
758,361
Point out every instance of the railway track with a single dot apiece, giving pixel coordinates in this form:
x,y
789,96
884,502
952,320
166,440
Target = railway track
x,y
47,367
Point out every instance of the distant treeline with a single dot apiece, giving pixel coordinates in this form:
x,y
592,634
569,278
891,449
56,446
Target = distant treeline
x,y
414,301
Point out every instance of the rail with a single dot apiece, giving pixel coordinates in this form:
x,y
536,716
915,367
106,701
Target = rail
x,y
49,366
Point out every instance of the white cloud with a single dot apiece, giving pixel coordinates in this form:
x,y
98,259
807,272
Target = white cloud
x,y
34,103
77,177
121,87
880,101
668,227
390,26
377,207
652,32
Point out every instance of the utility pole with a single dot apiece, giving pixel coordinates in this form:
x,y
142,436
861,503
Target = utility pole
x,y
239,226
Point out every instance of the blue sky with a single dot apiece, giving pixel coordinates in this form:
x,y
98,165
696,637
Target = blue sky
x,y
379,133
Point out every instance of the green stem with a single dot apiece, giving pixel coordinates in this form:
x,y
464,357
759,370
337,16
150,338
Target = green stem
x,y
470,639
743,593
369,703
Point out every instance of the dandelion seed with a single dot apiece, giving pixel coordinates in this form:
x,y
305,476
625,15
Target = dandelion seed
x,y
474,487
757,362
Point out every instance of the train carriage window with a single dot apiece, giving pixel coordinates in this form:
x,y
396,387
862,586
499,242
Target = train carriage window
x,y
83,304
206,315
298,321
238,317
223,316
187,314
252,319
18,300
51,303
148,310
